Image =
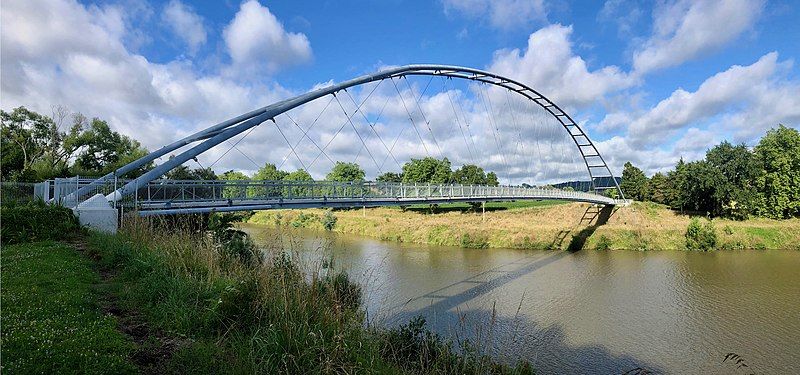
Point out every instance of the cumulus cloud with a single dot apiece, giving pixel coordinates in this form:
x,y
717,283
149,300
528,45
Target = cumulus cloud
x,y
686,29
62,52
549,65
502,14
749,100
256,40
185,23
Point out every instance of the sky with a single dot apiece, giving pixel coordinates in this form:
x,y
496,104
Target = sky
x,y
650,82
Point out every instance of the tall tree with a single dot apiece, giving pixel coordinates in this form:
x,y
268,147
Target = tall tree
x,y
734,194
427,170
269,172
658,188
699,183
346,172
469,174
234,190
777,159
634,182
390,177
491,179
103,150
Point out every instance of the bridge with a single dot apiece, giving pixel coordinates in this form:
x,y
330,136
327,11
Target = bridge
x,y
528,117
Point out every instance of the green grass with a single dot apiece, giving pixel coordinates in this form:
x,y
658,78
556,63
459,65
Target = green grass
x,y
271,316
52,322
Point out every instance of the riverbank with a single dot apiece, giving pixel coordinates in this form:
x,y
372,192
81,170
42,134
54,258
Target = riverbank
x,y
641,226
161,297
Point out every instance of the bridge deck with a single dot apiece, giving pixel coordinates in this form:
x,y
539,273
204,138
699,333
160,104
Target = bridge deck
x,y
163,197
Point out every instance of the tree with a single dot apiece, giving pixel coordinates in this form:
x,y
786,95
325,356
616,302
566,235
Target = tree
x,y
299,175
427,170
183,172
233,191
346,172
699,183
491,179
734,194
266,176
469,174
777,159
390,177
634,182
658,188
269,172
103,150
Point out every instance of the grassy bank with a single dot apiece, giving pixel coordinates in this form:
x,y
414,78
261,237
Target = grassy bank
x,y
180,300
52,321
642,226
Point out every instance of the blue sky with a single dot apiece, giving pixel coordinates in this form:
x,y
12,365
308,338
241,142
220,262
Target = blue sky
x,y
649,82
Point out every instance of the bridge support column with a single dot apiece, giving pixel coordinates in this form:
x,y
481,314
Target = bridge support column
x,y
97,213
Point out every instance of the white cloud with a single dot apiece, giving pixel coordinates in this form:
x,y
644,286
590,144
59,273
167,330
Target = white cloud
x,y
502,14
549,66
185,23
256,40
686,29
61,52
749,99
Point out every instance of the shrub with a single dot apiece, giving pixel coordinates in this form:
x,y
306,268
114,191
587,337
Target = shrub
x,y
329,220
303,220
701,237
474,241
603,243
35,221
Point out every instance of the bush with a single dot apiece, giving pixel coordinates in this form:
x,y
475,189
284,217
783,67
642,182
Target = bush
x,y
474,241
329,221
701,237
603,243
303,220
35,221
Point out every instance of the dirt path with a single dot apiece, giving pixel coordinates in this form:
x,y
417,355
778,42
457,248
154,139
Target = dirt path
x,y
153,347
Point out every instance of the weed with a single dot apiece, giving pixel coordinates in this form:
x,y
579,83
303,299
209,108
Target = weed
x,y
603,243
329,221
701,237
474,241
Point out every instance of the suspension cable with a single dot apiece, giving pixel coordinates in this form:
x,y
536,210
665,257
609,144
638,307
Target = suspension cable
x,y
372,126
419,108
350,119
410,117
455,114
289,144
343,125
233,146
305,133
490,115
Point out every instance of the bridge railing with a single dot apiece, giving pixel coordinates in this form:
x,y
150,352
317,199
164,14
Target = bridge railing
x,y
176,191
164,193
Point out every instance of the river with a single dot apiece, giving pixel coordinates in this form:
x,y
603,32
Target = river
x,y
586,312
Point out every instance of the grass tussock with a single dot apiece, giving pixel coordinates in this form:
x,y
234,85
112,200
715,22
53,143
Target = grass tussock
x,y
641,226
259,313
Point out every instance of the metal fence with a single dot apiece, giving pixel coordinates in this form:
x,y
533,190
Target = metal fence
x,y
211,194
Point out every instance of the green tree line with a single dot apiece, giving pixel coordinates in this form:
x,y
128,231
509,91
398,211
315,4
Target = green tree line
x,y
731,181
37,147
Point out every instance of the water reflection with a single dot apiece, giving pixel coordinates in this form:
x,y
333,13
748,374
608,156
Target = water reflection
x,y
582,312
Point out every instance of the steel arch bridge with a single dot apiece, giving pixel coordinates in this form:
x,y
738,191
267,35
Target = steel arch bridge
x,y
183,196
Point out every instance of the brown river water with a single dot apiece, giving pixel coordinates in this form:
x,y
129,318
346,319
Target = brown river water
x,y
589,312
